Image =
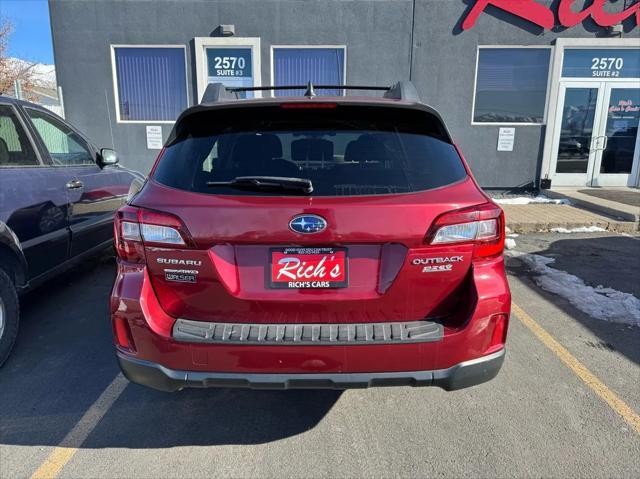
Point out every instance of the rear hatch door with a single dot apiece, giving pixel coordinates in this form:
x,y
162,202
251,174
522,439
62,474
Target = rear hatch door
x,y
351,250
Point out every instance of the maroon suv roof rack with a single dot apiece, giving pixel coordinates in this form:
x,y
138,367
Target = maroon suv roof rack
x,y
402,90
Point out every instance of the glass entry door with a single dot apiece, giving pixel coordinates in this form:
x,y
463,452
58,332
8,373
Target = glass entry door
x,y
577,138
616,163
597,142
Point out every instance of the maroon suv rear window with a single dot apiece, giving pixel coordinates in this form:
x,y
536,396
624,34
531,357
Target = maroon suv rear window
x,y
343,151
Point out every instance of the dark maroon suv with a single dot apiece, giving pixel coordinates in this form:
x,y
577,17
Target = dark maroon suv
x,y
312,242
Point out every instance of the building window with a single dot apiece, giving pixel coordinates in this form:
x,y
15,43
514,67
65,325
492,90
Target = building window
x,y
511,85
232,61
300,65
151,83
230,66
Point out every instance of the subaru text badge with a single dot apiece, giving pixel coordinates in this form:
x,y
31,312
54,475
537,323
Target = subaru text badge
x,y
308,224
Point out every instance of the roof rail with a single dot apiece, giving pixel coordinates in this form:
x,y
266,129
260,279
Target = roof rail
x,y
217,92
403,90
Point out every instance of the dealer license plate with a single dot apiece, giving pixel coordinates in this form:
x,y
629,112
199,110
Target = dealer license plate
x,y
308,268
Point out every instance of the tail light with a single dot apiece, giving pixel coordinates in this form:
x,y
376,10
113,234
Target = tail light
x,y
482,225
136,227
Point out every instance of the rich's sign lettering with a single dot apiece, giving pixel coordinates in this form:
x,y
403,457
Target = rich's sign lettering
x,y
544,17
300,268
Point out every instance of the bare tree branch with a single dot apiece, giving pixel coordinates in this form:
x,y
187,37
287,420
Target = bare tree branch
x,y
12,70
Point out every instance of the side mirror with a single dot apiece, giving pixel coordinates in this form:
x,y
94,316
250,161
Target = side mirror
x,y
107,157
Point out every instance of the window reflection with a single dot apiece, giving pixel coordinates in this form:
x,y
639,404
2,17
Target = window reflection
x,y
577,130
511,85
622,130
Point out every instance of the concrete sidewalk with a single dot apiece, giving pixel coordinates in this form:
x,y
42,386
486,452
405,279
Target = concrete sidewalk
x,y
620,203
543,217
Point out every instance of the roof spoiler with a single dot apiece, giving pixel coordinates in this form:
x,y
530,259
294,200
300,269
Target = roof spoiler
x,y
402,90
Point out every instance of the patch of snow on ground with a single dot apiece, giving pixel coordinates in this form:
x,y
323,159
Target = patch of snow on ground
x,y
581,229
509,243
601,303
526,200
513,235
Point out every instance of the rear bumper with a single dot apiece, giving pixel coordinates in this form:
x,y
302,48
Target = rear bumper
x,y
462,375
453,358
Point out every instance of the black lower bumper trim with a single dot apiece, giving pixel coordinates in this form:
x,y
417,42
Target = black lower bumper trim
x,y
465,374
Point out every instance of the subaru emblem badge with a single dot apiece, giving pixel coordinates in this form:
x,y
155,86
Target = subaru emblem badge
x,y
307,224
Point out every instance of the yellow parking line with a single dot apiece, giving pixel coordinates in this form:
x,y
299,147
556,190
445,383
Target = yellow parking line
x,y
579,369
63,453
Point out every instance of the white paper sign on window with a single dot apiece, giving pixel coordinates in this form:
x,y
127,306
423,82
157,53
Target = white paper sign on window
x,y
154,137
506,138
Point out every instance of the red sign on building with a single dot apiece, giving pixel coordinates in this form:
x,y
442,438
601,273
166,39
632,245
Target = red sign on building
x,y
544,17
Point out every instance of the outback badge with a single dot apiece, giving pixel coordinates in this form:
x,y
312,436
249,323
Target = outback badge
x,y
438,264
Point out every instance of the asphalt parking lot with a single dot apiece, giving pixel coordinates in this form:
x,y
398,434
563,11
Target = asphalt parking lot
x,y
557,408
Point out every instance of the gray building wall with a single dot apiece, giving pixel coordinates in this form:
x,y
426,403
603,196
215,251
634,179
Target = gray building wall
x,y
444,63
387,40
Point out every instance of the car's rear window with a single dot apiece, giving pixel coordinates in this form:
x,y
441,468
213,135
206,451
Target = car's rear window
x,y
344,150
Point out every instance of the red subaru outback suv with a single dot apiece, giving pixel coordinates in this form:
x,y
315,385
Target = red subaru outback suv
x,y
310,242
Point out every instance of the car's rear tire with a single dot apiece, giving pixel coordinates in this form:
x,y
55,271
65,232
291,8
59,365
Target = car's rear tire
x,y
9,315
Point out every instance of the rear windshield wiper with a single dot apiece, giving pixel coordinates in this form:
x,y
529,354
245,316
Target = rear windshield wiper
x,y
266,183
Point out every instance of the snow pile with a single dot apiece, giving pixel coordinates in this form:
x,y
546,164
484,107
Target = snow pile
x,y
526,200
581,229
599,302
509,243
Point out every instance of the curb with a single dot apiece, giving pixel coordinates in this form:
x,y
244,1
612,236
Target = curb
x,y
545,227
